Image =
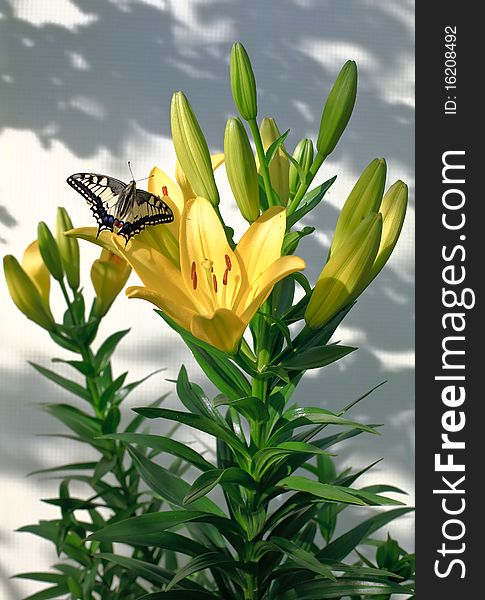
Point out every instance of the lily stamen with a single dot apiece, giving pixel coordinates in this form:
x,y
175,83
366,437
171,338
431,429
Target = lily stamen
x,y
193,275
228,262
214,281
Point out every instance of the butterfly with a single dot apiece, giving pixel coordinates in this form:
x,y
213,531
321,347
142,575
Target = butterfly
x,y
117,204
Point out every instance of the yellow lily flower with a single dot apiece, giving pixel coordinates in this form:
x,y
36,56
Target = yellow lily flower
x,y
216,291
164,237
35,268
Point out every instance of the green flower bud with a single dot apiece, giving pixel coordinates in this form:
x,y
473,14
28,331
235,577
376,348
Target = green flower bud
x,y
279,167
303,155
393,210
365,198
343,277
243,84
50,251
26,295
192,150
338,108
109,274
68,248
35,268
241,169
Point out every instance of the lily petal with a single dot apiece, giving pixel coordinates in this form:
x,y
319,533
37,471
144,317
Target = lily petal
x,y
260,246
181,314
161,239
158,180
223,330
90,234
205,252
156,271
217,160
262,287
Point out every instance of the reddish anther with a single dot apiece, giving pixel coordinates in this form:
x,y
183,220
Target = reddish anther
x,y
226,274
164,190
214,281
228,262
193,275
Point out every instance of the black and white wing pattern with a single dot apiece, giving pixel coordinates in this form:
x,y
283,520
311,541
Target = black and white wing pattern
x,y
117,204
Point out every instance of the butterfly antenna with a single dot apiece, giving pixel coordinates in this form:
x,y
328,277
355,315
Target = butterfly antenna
x,y
129,166
145,178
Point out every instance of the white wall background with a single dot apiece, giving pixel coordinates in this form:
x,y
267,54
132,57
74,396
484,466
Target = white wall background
x,y
86,85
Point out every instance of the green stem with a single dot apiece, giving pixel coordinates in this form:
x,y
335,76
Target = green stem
x,y
253,126
304,185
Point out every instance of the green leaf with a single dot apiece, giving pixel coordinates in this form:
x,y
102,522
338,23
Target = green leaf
x,y
303,558
320,490
317,357
299,417
71,467
266,457
250,407
138,420
208,481
292,239
103,355
67,384
179,595
150,529
83,367
148,571
309,202
87,428
215,364
164,444
109,393
46,577
274,147
206,561
319,589
127,389
194,399
167,485
339,548
52,592
197,422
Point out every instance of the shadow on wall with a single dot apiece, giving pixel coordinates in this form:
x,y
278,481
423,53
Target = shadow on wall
x,y
92,86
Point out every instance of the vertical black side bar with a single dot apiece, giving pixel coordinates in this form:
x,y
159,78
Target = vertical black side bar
x,y
450,267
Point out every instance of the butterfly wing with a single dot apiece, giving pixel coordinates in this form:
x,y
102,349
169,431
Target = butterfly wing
x,y
146,210
117,204
101,193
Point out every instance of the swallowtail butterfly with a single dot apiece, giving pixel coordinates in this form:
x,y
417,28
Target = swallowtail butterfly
x,y
120,205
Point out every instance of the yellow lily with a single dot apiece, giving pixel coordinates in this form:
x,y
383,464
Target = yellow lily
x,y
216,291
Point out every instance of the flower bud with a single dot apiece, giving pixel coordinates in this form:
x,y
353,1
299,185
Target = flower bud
x,y
243,84
50,251
183,183
35,268
303,155
109,274
68,248
279,167
344,275
337,109
241,169
365,198
393,210
192,150
26,295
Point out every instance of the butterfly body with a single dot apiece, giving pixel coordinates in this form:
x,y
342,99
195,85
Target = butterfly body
x,y
119,205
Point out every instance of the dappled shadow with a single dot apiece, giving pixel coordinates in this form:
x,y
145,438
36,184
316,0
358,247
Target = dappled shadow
x,y
93,86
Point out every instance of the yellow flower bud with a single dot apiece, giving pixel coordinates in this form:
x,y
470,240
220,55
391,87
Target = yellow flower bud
x,y
192,150
338,109
68,248
342,279
279,168
35,268
243,84
393,210
365,198
241,169
26,295
303,155
109,274
50,251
